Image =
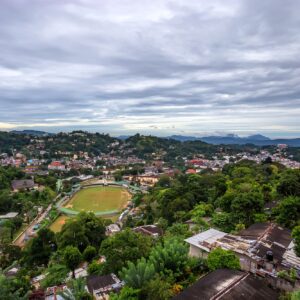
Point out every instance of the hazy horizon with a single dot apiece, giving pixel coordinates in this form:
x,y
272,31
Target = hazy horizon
x,y
115,134
154,67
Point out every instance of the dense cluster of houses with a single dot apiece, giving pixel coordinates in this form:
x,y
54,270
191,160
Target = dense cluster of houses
x,y
100,286
198,164
264,249
111,163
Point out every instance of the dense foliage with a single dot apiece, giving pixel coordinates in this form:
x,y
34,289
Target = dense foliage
x,y
234,198
222,259
152,268
123,247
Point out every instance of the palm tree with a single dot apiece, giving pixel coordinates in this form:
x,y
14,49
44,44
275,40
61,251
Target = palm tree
x,y
76,291
137,275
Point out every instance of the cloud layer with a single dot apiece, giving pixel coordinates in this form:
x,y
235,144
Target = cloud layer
x,y
152,66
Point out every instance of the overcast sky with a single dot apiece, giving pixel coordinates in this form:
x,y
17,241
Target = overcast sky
x,y
161,67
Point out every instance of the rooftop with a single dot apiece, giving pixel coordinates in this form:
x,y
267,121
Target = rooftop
x,y
152,230
254,231
250,287
262,242
103,284
9,215
228,285
204,239
290,258
22,184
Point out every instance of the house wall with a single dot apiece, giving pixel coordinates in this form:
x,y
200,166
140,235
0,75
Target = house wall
x,y
283,284
197,252
246,263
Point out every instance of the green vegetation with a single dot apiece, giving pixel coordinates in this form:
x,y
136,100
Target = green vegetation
x,y
136,276
39,249
233,199
152,268
89,253
56,274
76,291
72,258
98,199
14,289
59,222
296,236
84,230
167,266
123,247
220,259
288,211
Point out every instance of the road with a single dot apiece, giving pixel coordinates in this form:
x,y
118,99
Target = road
x,y
20,240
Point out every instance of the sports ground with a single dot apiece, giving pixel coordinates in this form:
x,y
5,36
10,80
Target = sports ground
x,y
104,201
99,199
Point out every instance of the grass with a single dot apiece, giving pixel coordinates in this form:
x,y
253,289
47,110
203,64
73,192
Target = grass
x,y
23,226
57,225
95,199
98,199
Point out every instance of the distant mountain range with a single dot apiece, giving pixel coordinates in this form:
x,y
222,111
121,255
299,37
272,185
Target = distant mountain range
x,y
231,139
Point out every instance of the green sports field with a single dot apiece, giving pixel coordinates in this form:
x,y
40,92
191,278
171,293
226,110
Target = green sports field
x,y
99,199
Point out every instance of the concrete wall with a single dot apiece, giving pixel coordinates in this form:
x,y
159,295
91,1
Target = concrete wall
x,y
283,284
196,252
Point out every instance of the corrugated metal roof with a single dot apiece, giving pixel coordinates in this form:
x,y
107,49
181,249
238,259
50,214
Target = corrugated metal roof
x,y
209,236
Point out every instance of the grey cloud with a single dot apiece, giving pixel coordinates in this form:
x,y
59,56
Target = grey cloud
x,y
190,64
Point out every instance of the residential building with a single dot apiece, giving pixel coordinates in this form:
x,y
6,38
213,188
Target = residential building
x,y
8,216
264,249
151,230
228,284
24,184
56,165
112,229
101,286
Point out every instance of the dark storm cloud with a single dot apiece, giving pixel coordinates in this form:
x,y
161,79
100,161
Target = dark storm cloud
x,y
151,66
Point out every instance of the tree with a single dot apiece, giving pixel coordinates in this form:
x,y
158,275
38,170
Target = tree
x,y
127,293
164,181
245,205
178,230
171,257
295,295
89,253
289,183
95,268
13,225
118,176
158,289
13,289
56,274
223,221
40,248
76,291
122,247
220,258
202,210
296,236
86,229
9,254
288,211
242,203
72,233
136,276
72,258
